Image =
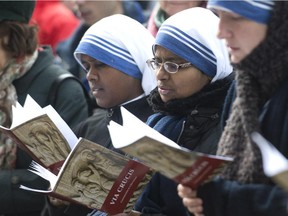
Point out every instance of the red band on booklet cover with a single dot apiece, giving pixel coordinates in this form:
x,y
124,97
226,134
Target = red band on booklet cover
x,y
202,168
124,187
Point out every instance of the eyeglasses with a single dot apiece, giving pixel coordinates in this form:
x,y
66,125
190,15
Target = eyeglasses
x,y
169,67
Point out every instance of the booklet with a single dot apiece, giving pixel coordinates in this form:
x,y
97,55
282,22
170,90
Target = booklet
x,y
78,170
187,167
96,177
42,133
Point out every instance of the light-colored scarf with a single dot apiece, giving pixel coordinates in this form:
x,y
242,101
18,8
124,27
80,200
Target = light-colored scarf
x,y
8,97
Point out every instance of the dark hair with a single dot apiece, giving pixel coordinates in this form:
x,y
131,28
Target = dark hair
x,y
22,38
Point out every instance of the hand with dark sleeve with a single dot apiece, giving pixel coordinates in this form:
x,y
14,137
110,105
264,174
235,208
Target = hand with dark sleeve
x,y
223,198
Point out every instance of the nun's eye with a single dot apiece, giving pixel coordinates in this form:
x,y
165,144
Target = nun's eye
x,y
86,66
99,65
170,67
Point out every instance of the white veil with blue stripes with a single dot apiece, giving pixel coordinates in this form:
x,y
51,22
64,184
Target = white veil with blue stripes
x,y
122,43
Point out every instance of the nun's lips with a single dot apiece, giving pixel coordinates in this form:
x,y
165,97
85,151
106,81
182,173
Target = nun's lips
x,y
163,90
96,89
97,92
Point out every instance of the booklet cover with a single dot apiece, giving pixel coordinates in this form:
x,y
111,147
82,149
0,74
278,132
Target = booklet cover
x,y
96,177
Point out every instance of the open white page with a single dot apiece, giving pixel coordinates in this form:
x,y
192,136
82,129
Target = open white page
x,y
132,130
30,109
45,174
17,114
273,161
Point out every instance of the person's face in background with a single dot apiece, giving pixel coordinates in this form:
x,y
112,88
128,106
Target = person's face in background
x,y
109,86
186,82
92,11
172,7
241,35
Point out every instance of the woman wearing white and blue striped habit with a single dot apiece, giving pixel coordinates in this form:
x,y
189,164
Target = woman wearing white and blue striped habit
x,y
193,75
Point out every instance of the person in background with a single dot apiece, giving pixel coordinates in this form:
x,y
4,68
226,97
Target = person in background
x,y
27,68
163,9
90,12
113,52
256,37
147,6
193,75
55,21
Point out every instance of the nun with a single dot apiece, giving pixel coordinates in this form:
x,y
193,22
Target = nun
x,y
193,75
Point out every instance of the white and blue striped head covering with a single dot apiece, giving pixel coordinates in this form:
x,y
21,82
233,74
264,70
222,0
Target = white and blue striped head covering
x,y
258,11
192,35
122,43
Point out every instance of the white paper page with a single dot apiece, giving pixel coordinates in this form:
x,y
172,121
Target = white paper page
x,y
30,110
121,137
134,124
17,114
44,173
132,130
273,161
31,104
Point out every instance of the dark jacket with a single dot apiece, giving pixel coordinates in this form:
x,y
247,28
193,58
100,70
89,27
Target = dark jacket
x,y
71,106
71,103
66,49
193,123
225,198
95,129
15,201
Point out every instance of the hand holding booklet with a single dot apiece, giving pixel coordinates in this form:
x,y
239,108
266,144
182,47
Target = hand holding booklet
x,y
162,154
